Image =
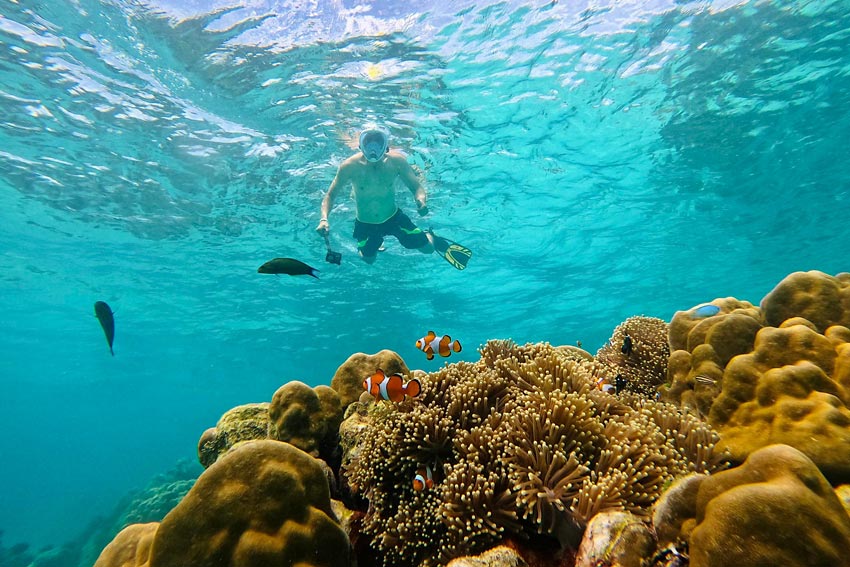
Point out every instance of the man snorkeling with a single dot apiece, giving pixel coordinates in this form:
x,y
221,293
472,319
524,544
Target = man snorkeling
x,y
372,173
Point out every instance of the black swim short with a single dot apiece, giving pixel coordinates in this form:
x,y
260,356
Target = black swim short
x,y
369,236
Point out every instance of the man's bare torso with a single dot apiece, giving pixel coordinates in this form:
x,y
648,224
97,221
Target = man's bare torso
x,y
374,186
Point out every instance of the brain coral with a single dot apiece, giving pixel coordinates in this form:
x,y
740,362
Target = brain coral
x,y
775,509
262,503
348,379
306,417
644,364
792,389
519,442
818,297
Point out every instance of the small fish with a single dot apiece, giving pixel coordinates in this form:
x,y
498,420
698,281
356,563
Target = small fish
x,y
288,266
107,322
704,310
442,345
606,386
392,387
627,345
704,379
424,478
620,384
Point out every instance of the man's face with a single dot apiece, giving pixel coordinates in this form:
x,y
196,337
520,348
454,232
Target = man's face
x,y
373,144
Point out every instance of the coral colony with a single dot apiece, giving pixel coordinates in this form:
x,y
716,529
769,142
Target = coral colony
x,y
729,423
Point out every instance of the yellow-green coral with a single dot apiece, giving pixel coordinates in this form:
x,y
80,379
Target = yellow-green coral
x,y
818,297
519,441
307,417
130,548
783,392
242,423
262,503
775,509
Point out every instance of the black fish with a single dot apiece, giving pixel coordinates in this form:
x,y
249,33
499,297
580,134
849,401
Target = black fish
x,y
627,345
104,315
620,384
288,266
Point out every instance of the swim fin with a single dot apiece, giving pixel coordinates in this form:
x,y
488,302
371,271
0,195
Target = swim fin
x,y
454,253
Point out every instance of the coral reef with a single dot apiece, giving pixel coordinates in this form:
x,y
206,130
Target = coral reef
x,y
737,322
760,379
242,423
521,442
263,502
306,417
348,378
775,509
783,392
815,296
615,538
637,352
130,548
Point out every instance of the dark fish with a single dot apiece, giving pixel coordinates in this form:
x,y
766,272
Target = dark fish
x,y
620,384
627,345
107,321
288,266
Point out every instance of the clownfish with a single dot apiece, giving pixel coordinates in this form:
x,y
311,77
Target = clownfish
x,y
392,387
442,345
618,386
424,478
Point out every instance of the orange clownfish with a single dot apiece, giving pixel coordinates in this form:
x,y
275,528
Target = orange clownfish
x,y
423,479
606,386
392,387
442,345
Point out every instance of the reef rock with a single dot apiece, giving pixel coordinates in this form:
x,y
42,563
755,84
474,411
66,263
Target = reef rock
x,y
306,417
130,548
818,297
785,391
262,503
243,423
615,539
775,509
500,556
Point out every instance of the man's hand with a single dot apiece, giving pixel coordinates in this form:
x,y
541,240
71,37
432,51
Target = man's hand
x,y
322,229
422,207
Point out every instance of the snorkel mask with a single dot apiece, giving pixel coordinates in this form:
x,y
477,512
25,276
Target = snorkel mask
x,y
374,143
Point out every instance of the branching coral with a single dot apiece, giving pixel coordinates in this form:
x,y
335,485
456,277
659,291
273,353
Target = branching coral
x,y
637,352
520,442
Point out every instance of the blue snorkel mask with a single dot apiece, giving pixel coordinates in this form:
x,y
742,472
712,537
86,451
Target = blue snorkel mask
x,y
374,143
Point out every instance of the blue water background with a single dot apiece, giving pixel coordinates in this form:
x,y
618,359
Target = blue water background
x,y
602,160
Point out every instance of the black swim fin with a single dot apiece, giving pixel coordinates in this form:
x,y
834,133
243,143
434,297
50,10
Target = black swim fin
x,y
454,253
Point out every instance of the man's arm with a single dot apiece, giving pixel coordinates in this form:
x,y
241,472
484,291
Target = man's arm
x,y
414,183
339,180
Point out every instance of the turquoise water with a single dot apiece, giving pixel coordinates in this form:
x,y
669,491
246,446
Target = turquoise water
x,y
602,160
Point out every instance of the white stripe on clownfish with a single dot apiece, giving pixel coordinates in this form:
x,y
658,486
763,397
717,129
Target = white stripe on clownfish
x,y
424,478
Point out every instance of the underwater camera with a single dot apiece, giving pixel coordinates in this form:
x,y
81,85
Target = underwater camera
x,y
332,257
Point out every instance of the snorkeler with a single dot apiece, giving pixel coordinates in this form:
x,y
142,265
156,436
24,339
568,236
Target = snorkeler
x,y
372,173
